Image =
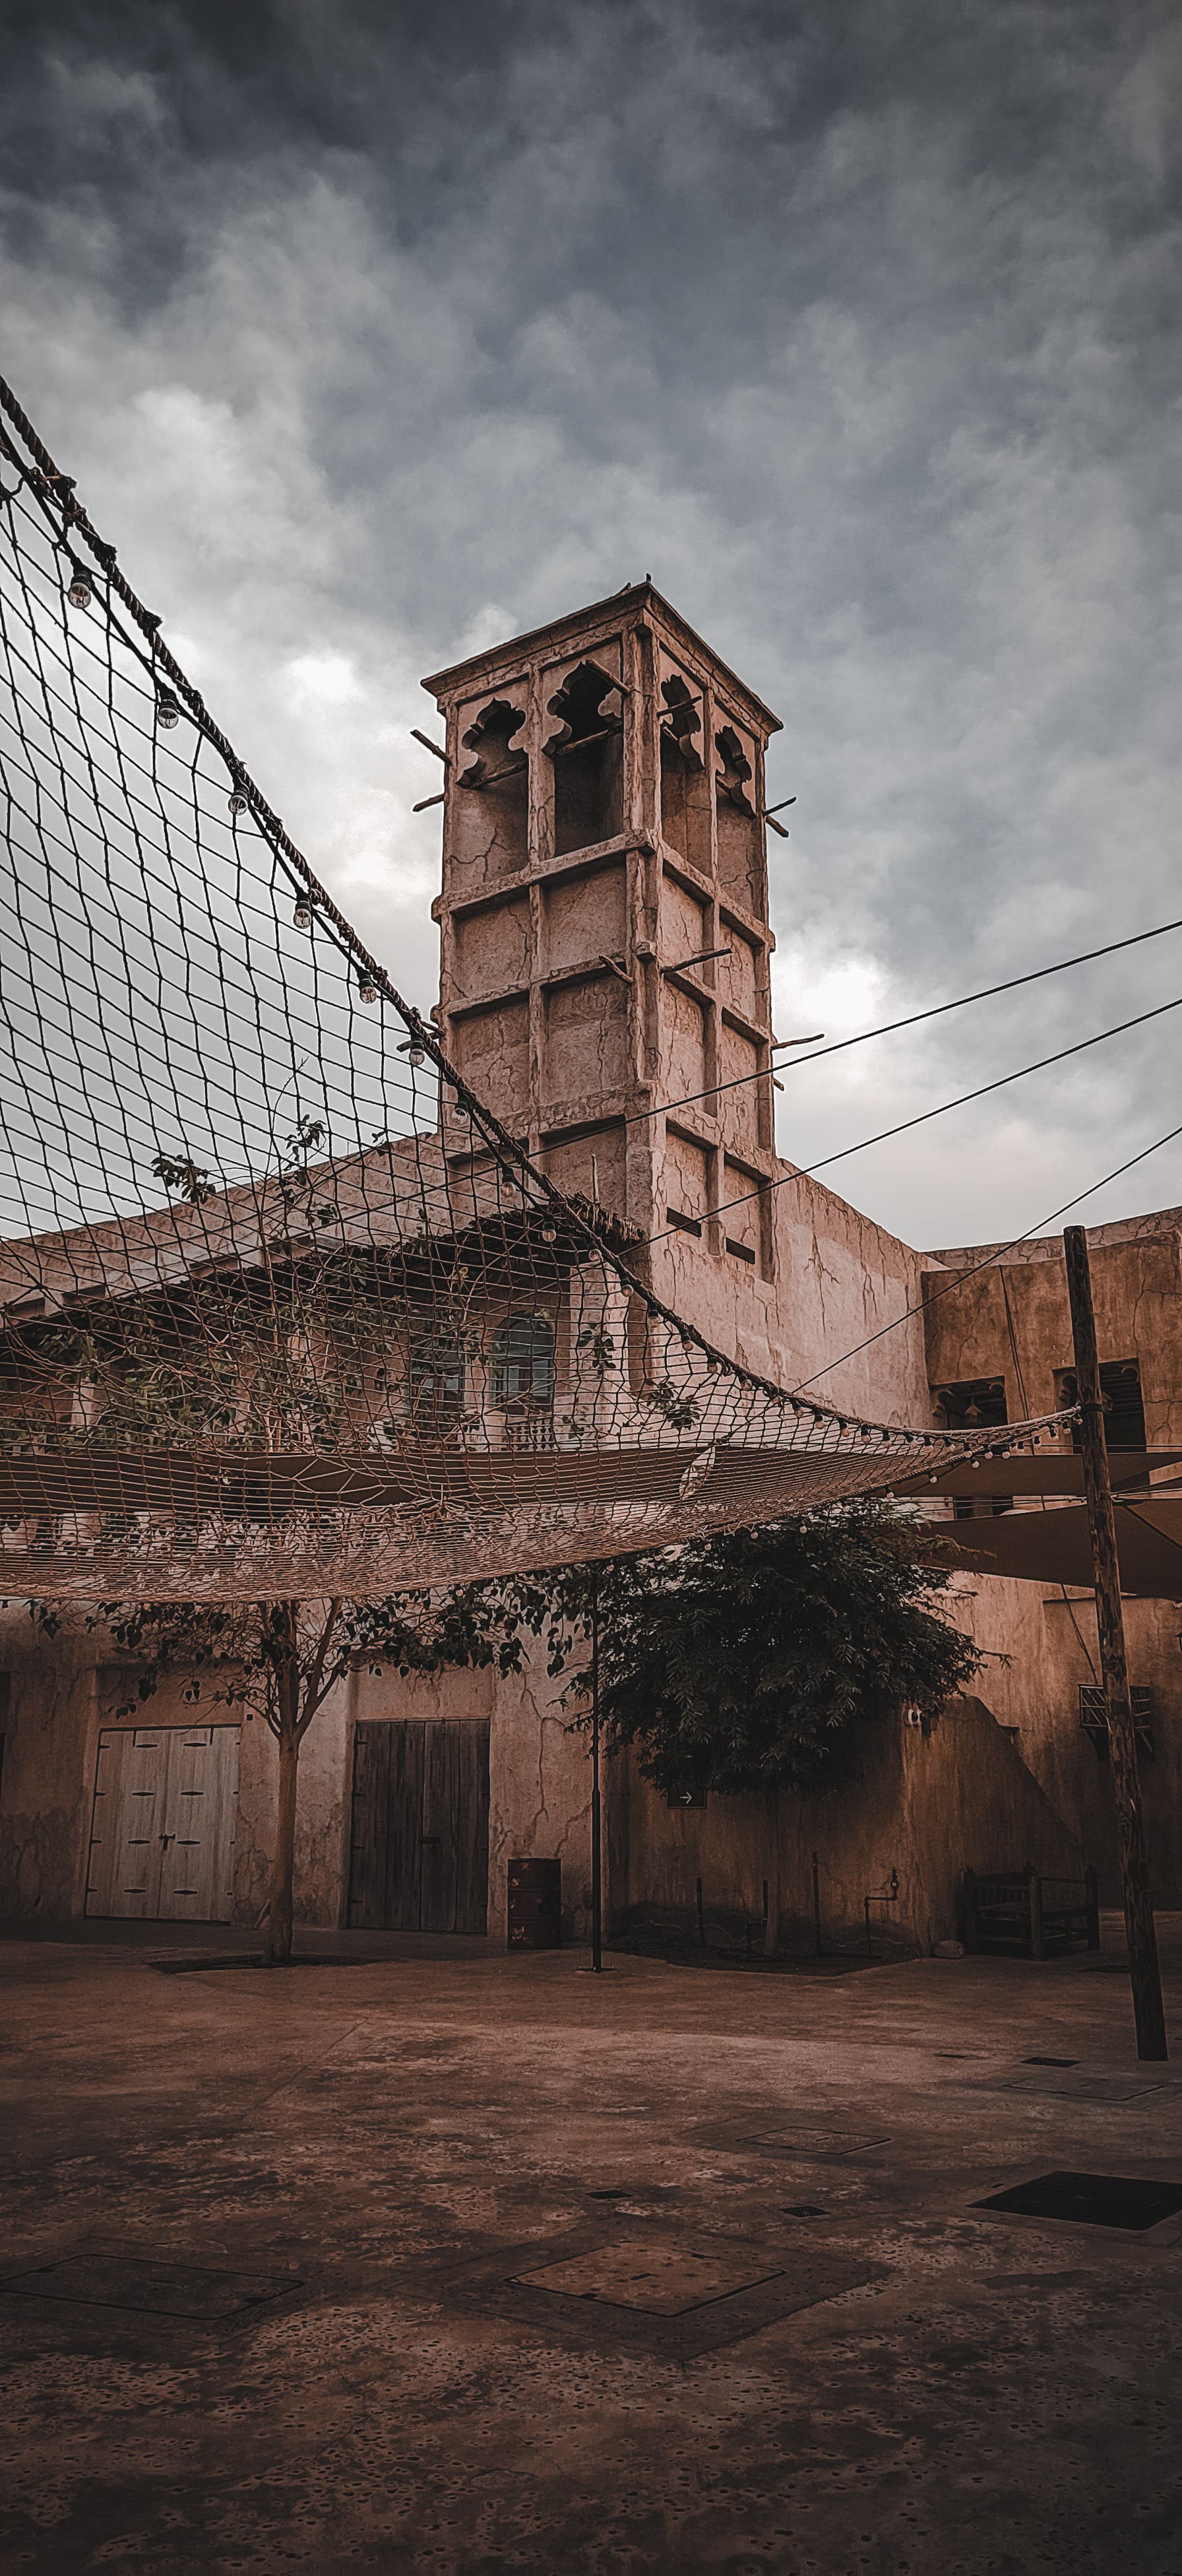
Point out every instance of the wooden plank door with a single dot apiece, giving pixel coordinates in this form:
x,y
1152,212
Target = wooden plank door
x,y
404,1861
196,1874
386,1853
419,1852
123,1879
162,1838
441,1777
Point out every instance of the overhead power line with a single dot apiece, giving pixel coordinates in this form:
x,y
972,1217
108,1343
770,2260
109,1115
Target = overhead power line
x,y
804,1171
996,1254
887,1028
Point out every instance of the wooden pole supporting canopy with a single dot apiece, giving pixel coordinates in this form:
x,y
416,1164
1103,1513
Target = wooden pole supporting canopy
x,y
1148,2013
596,1810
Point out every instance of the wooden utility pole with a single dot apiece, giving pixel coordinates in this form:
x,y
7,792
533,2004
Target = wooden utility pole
x,y
1148,2013
596,1802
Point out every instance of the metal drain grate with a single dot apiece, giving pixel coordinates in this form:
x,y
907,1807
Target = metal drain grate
x,y
1091,2200
148,2288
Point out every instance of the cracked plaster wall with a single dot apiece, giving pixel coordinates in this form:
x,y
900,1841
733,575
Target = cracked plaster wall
x,y
926,1805
1013,1322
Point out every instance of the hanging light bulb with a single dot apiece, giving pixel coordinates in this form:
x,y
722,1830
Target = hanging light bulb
x,y
549,1234
301,918
367,990
168,713
80,594
236,801
416,1052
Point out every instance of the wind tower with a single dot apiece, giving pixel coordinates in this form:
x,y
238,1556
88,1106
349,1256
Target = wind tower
x,y
603,918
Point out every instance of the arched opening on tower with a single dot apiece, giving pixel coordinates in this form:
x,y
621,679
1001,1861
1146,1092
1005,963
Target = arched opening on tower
x,y
685,814
588,760
740,861
491,822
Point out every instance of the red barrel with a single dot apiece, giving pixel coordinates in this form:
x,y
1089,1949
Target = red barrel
x,y
535,1904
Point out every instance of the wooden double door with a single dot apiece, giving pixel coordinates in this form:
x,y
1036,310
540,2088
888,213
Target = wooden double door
x,y
162,1836
419,1851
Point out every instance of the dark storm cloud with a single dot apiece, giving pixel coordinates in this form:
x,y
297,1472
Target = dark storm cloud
x,y
373,333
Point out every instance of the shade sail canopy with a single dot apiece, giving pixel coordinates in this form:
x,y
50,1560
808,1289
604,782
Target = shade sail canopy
x,y
1049,1470
1054,1547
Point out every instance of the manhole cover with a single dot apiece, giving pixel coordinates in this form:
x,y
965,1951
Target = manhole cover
x,y
664,2281
1092,2200
149,2288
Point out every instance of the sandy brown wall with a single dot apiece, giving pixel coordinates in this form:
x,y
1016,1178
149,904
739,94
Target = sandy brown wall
x,y
1041,1644
928,1806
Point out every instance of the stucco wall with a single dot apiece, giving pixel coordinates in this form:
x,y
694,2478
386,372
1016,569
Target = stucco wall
x,y
1012,1321
926,1805
839,1279
64,1690
1040,1643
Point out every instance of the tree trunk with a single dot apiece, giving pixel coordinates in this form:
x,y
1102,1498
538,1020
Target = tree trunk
x,y
280,1892
775,1884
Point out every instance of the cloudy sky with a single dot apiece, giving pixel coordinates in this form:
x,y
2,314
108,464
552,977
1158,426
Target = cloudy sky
x,y
372,333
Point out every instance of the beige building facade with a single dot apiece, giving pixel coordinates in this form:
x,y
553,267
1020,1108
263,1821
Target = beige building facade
x,y
605,989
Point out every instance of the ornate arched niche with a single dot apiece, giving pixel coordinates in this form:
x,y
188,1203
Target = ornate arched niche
x,y
685,811
740,853
491,818
587,754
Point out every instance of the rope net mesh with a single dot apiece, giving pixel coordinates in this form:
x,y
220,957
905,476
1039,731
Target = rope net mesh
x,y
286,1312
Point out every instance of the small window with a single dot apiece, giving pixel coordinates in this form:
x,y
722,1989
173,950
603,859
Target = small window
x,y
1120,1394
1093,1714
438,1381
523,1363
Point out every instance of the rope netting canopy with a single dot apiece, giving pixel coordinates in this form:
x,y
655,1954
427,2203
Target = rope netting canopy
x,y
285,1311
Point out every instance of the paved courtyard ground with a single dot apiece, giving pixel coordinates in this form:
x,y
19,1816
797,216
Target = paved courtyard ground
x,y
474,2263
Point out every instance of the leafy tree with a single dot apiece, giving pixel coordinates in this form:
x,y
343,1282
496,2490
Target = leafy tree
x,y
744,1662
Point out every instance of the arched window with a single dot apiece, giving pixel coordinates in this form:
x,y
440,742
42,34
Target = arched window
x,y
523,1363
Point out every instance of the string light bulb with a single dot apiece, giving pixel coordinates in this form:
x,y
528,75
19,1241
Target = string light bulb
x,y
301,918
236,801
416,1053
80,593
367,990
168,713
549,1234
